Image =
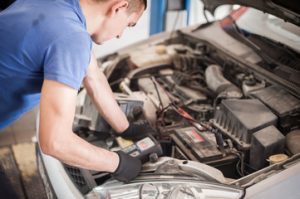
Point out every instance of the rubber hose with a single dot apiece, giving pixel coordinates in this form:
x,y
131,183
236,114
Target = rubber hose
x,y
216,81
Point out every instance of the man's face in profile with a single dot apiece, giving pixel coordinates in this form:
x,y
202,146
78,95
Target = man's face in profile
x,y
113,26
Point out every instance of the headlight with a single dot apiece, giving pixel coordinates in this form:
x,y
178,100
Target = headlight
x,y
165,189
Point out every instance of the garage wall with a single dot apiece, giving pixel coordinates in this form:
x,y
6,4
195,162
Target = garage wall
x,y
197,16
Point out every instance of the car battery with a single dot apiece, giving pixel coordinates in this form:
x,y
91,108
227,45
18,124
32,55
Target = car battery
x,y
142,148
195,144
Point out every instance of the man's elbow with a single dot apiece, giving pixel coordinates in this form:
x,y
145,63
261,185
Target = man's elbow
x,y
51,147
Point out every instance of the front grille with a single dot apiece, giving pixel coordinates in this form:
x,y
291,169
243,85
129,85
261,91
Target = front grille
x,y
79,178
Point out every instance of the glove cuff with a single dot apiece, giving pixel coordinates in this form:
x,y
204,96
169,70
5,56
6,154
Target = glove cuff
x,y
117,171
127,133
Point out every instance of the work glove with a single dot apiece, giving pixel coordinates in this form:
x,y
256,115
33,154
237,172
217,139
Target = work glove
x,y
137,130
128,168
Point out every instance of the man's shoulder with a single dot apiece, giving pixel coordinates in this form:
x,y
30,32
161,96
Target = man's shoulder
x,y
61,30
63,21
41,22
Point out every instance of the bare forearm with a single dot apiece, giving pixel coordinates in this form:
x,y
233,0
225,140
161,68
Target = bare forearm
x,y
75,151
57,109
100,92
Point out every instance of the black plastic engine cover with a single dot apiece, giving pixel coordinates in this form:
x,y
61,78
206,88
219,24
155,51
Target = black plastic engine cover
x,y
283,104
266,142
239,119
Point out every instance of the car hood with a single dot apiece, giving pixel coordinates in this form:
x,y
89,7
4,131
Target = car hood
x,y
287,10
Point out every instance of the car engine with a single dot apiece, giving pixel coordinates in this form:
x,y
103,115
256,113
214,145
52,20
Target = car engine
x,y
204,106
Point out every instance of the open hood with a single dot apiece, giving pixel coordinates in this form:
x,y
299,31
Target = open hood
x,y
287,10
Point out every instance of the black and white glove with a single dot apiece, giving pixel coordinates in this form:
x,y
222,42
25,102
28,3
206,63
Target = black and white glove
x,y
128,168
137,130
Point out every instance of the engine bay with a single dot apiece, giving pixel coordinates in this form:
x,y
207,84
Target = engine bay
x,y
205,107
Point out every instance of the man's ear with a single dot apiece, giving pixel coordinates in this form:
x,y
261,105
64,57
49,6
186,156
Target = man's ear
x,y
118,6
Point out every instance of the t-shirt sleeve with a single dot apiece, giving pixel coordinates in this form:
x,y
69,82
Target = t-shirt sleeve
x,y
67,59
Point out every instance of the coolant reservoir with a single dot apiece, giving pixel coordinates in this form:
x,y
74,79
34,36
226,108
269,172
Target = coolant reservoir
x,y
251,84
274,159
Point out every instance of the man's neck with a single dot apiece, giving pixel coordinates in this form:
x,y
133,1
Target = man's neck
x,y
94,14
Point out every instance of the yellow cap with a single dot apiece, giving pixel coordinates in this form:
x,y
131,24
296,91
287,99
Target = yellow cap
x,y
160,49
273,159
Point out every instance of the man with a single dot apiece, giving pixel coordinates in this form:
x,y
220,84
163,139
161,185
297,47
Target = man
x,y
45,55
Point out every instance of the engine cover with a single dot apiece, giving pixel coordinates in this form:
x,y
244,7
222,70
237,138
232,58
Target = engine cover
x,y
283,104
240,119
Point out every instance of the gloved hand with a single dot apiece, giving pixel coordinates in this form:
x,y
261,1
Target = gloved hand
x,y
128,168
137,130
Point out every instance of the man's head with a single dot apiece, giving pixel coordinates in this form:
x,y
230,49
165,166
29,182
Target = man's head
x,y
107,19
136,5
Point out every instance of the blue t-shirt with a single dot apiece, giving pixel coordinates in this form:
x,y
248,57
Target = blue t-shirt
x,y
39,39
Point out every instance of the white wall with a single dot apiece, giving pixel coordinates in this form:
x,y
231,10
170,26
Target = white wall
x,y
197,16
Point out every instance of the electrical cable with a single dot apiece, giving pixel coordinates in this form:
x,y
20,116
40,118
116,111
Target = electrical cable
x,y
187,116
158,95
240,167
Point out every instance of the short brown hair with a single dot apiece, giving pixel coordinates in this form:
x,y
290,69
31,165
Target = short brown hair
x,y
133,5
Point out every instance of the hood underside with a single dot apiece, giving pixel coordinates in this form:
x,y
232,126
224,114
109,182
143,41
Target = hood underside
x,y
287,10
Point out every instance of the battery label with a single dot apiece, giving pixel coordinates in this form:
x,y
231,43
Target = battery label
x,y
145,144
123,143
196,145
129,148
194,136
